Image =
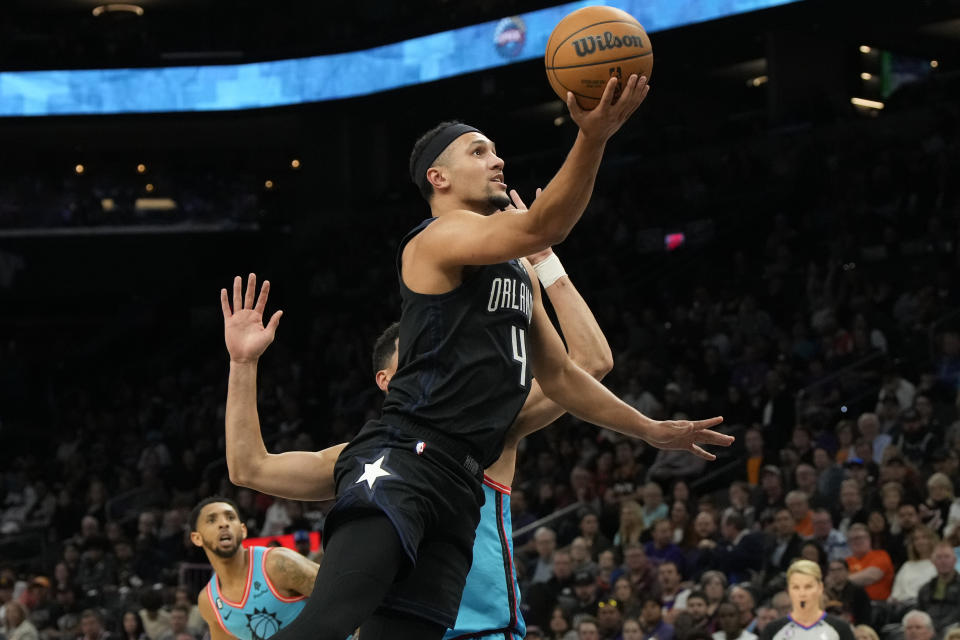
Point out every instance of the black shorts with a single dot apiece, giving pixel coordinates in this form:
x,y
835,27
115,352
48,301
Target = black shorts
x,y
431,490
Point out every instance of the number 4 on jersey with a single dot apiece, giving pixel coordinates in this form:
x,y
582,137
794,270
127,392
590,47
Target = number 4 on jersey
x,y
520,355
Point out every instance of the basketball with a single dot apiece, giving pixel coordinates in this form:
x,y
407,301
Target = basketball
x,y
589,46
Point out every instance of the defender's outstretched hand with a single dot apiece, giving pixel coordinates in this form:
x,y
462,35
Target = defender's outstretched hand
x,y
686,435
243,330
607,117
520,206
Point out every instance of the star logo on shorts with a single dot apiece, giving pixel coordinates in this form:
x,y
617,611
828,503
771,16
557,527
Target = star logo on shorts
x,y
372,472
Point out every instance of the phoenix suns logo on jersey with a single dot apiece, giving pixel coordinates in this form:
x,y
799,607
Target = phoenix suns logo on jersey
x,y
262,624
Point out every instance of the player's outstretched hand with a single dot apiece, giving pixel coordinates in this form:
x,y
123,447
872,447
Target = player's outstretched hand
x,y
686,435
606,118
243,329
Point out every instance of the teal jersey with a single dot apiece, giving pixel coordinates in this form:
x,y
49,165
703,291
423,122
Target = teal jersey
x,y
262,610
491,597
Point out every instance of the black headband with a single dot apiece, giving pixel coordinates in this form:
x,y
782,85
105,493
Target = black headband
x,y
435,147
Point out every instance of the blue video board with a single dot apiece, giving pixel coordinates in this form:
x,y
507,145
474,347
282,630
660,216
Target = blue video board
x,y
330,77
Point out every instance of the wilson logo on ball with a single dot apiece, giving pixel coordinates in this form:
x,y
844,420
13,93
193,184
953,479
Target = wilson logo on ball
x,y
590,44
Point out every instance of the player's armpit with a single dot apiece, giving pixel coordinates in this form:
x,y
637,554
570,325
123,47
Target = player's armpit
x,y
296,475
213,623
291,572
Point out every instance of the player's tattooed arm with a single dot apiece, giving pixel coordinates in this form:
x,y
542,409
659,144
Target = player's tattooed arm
x,y
206,612
290,572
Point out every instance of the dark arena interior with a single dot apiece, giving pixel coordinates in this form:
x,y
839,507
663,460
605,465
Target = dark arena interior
x,y
772,238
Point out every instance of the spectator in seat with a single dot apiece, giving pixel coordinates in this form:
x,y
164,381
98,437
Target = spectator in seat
x,y
916,571
909,519
851,507
917,625
799,505
17,626
853,599
831,541
940,597
545,542
785,546
941,507
662,549
741,554
728,621
869,568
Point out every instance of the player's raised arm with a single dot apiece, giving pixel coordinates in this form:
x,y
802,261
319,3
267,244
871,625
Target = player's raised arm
x,y
465,182
586,344
298,475
573,389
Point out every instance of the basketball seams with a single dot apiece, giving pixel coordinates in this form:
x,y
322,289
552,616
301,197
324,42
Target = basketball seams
x,y
595,24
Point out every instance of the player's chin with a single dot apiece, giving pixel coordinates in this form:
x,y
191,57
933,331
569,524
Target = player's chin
x,y
226,550
500,200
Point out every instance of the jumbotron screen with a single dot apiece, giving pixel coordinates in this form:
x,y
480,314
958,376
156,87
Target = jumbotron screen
x,y
329,77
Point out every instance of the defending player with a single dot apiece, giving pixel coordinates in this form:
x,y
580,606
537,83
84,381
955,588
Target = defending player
x,y
472,332
253,592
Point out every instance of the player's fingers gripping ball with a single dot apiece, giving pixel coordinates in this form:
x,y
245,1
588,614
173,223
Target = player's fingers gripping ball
x,y
589,46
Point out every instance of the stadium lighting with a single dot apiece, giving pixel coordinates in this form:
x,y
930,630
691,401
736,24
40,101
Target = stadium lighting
x,y
869,104
866,76
758,81
934,64
268,184
865,49
79,169
295,163
136,10
141,168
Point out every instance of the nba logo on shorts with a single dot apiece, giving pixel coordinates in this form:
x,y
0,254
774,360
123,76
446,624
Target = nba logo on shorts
x,y
420,447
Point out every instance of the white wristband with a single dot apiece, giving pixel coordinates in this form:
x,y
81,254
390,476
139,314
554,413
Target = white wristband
x,y
549,270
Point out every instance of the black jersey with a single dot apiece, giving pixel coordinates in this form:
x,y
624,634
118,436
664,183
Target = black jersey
x,y
825,628
462,364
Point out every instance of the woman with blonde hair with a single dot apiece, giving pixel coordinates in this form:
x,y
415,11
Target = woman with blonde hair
x,y
918,569
865,632
941,505
807,620
631,524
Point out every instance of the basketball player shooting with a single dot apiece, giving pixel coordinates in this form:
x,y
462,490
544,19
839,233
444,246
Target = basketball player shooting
x,y
490,606
473,332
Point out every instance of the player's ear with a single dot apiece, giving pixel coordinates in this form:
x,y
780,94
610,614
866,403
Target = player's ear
x,y
383,380
196,539
437,177
243,531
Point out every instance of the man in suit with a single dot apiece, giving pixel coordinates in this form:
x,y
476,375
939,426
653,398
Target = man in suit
x,y
741,553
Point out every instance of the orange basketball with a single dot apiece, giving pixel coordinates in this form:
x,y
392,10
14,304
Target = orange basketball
x,y
592,44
